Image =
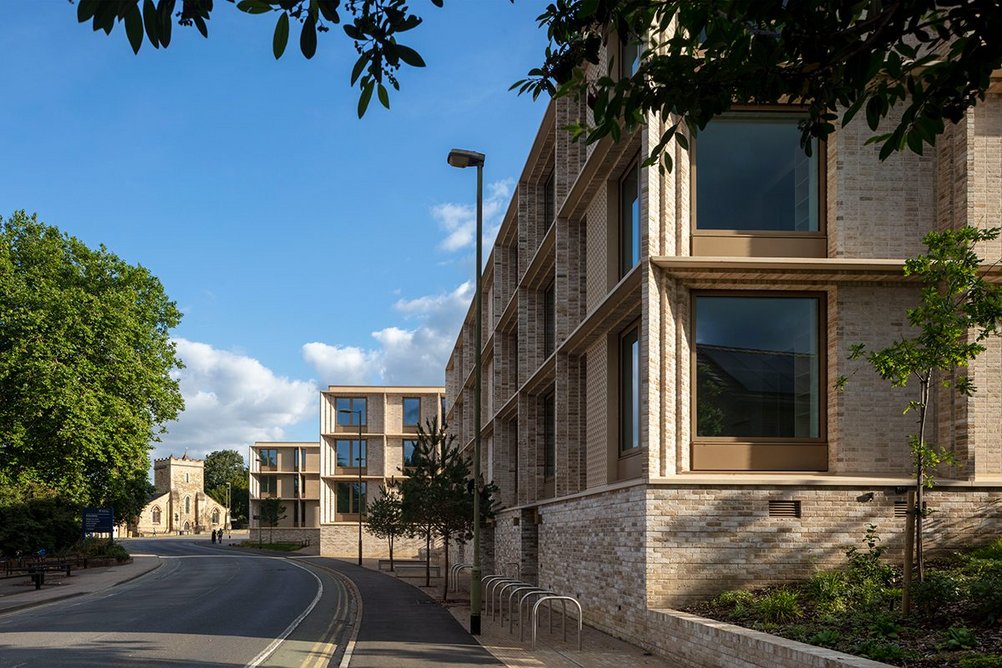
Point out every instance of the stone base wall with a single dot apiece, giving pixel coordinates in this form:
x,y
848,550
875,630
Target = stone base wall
x,y
341,540
702,540
302,535
690,641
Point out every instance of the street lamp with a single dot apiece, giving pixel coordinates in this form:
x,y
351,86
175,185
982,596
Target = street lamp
x,y
358,414
462,158
229,502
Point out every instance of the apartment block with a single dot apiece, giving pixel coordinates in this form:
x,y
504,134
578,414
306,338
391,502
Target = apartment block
x,y
367,435
659,354
289,471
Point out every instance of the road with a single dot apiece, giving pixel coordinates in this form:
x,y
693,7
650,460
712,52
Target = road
x,y
206,605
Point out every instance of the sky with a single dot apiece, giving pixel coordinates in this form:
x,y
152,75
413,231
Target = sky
x,y
304,246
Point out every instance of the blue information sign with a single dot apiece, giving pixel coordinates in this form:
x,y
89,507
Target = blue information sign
x,y
98,520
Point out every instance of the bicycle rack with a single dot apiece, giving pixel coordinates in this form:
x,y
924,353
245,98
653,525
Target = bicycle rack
x,y
563,620
454,575
500,591
491,587
521,602
511,597
517,568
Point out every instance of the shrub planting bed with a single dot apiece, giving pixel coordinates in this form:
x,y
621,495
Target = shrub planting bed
x,y
956,618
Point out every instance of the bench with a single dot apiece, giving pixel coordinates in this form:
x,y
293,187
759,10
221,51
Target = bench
x,y
408,565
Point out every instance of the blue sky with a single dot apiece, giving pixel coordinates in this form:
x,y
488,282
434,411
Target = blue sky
x,y
304,246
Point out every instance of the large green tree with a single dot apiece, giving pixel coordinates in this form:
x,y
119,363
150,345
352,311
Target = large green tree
x,y
227,466
86,365
913,64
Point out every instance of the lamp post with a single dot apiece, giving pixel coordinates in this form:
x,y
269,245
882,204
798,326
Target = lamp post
x,y
462,158
229,502
358,414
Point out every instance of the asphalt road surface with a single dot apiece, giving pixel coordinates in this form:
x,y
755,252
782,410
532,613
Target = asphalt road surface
x,y
205,606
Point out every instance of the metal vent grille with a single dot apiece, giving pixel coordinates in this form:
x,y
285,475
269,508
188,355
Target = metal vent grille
x,y
784,509
901,509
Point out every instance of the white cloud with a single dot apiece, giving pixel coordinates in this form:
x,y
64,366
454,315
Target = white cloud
x,y
232,400
459,221
400,356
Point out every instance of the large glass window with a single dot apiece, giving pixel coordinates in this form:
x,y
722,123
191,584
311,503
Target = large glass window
x,y
350,453
412,411
549,437
758,367
269,484
348,409
629,219
752,175
629,390
268,457
350,498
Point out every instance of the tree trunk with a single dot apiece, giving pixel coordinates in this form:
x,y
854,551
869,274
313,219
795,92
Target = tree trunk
x,y
920,477
427,558
906,580
391,552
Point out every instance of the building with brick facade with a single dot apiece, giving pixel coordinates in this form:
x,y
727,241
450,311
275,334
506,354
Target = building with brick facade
x,y
180,504
388,418
659,353
289,471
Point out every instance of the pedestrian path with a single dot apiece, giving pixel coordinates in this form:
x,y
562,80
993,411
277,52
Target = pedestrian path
x,y
19,593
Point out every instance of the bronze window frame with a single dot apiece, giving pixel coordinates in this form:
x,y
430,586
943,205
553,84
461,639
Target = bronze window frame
x,y
740,454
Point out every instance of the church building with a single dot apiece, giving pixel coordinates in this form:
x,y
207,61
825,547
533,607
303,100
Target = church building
x,y
180,504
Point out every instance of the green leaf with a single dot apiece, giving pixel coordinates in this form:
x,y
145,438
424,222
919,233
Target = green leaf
x,y
134,27
363,99
410,56
281,37
151,23
165,11
254,6
384,97
308,37
329,10
359,66
85,10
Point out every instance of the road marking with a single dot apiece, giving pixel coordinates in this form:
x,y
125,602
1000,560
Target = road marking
x,y
270,649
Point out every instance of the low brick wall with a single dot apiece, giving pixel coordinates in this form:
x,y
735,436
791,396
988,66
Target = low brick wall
x,y
341,540
687,640
286,535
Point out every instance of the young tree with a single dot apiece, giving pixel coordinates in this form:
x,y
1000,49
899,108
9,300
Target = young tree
x,y
224,467
86,365
959,309
696,59
272,511
419,491
385,518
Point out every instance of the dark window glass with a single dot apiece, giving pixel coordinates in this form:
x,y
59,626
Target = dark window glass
x,y
752,174
295,486
629,219
349,452
348,409
757,367
409,447
351,497
295,459
549,201
629,56
442,421
412,411
629,390
269,484
267,457
549,437
549,324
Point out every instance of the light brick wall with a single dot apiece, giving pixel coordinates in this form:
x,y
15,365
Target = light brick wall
x,y
881,209
341,540
304,536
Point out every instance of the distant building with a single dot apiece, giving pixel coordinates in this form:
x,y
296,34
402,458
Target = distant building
x,y
290,472
180,504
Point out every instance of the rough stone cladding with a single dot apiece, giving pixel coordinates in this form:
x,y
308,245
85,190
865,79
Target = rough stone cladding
x,y
702,540
302,535
693,642
341,540
877,209
145,524
596,438
592,548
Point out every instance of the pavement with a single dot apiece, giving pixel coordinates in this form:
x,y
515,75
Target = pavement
x,y
402,623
